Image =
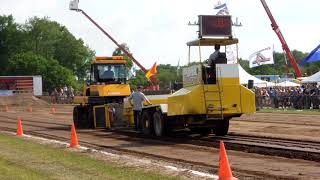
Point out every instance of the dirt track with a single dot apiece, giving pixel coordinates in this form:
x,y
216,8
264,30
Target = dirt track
x,y
291,126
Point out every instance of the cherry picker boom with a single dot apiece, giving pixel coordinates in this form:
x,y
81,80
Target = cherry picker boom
x,y
74,6
285,46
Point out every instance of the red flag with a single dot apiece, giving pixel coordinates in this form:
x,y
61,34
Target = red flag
x,y
152,71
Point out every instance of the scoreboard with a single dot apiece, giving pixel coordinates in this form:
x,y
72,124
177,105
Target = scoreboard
x,y
212,25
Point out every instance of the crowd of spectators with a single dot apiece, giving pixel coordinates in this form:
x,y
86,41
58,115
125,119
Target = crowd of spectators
x,y
62,95
306,96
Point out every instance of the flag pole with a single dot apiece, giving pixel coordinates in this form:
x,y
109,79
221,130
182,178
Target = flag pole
x,y
237,60
177,69
287,68
274,63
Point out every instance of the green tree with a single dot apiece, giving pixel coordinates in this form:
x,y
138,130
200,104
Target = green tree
x,y
53,74
138,80
45,39
244,64
119,52
166,74
311,68
11,40
53,41
298,55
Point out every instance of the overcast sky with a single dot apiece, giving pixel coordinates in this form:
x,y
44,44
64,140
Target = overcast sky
x,y
158,31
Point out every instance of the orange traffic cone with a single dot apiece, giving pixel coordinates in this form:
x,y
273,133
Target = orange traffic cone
x,y
19,127
73,138
53,110
29,109
225,172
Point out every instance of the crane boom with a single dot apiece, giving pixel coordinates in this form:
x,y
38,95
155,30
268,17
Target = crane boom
x,y
285,46
114,41
154,81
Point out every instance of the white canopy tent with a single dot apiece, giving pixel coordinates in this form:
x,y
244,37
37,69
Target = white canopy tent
x,y
312,79
245,77
288,84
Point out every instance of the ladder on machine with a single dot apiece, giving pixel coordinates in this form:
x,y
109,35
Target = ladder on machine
x,y
209,100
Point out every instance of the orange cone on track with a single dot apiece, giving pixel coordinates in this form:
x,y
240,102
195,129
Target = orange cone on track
x,y
53,110
19,128
73,138
29,109
225,172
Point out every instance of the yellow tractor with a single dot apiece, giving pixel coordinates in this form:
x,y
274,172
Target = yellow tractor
x,y
106,87
211,95
208,100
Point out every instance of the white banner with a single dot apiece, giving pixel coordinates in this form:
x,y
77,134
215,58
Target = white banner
x,y
262,57
192,75
231,54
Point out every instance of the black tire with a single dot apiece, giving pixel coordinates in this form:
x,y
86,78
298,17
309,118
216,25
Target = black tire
x,y
82,117
222,127
79,116
76,116
159,124
146,122
89,123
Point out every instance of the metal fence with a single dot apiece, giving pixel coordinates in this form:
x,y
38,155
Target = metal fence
x,y
286,101
59,99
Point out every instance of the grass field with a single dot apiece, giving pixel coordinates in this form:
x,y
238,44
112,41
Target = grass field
x,y
291,111
22,159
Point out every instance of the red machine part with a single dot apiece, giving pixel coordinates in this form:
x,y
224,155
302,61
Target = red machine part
x,y
153,79
285,46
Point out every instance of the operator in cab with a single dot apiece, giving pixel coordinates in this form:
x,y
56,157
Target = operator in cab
x,y
212,61
214,56
108,74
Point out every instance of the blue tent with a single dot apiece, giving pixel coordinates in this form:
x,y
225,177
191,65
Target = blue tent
x,y
312,57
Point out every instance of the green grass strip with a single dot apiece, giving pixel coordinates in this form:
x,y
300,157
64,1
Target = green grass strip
x,y
22,159
291,111
12,170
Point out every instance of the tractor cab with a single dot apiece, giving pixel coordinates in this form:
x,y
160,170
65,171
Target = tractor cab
x,y
108,70
108,77
214,30
209,71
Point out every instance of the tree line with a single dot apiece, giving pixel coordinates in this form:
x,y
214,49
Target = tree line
x,y
44,47
167,74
